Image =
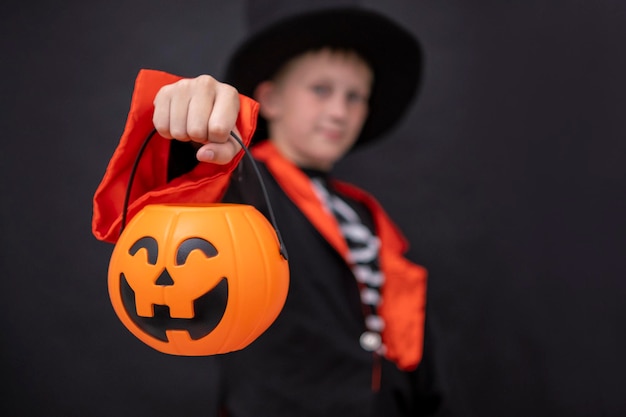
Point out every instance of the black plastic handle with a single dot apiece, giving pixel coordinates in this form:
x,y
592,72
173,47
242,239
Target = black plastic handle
x,y
133,172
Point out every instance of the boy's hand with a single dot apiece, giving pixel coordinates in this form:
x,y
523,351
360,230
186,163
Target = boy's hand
x,y
202,110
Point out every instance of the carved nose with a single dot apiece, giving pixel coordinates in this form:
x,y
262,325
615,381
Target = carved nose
x,y
165,279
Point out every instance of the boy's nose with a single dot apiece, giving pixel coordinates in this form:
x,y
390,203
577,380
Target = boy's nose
x,y
338,106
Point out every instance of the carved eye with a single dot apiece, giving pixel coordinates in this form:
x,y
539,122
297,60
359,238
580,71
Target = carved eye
x,y
192,244
150,245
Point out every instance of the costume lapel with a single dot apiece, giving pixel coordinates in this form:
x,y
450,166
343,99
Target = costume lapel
x,y
299,189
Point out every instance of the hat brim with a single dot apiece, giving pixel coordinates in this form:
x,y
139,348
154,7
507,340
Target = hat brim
x,y
393,53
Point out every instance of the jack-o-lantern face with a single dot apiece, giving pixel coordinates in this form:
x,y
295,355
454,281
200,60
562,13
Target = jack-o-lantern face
x,y
196,312
198,280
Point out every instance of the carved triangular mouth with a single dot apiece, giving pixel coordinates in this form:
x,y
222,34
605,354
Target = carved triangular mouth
x,y
208,308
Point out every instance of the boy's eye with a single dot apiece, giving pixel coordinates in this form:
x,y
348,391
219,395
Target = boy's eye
x,y
355,97
321,90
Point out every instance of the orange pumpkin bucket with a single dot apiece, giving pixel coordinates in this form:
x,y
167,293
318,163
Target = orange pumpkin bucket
x,y
193,280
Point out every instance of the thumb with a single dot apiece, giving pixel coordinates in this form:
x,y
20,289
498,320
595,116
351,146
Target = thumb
x,y
218,153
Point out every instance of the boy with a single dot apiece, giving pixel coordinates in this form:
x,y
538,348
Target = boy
x,y
350,335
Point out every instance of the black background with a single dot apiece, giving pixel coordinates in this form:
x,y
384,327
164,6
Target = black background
x,y
508,176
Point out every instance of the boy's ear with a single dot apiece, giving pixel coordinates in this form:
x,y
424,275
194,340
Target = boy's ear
x,y
264,93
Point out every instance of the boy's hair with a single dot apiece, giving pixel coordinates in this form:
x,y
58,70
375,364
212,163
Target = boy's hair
x,y
334,50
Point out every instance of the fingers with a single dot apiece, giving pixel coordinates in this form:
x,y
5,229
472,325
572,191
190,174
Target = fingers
x,y
195,115
224,114
161,115
200,109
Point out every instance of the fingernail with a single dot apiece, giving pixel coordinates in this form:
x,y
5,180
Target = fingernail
x,y
207,154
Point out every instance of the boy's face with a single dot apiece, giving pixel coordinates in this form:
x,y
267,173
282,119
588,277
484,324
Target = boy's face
x,y
316,106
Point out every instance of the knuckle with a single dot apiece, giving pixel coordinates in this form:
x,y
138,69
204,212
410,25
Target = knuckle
x,y
163,92
159,125
178,133
182,83
231,92
206,81
196,131
219,130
